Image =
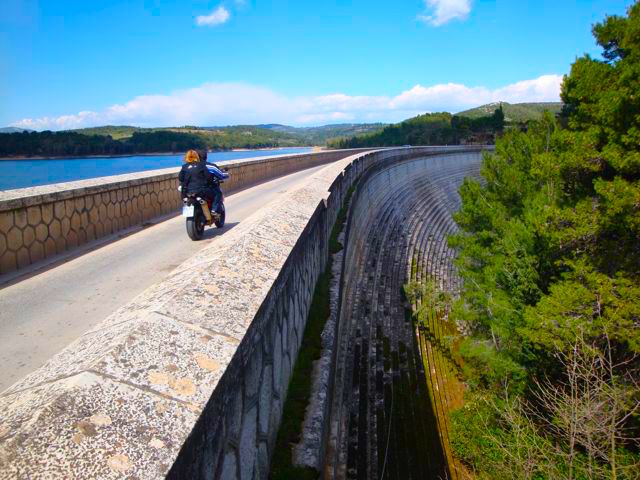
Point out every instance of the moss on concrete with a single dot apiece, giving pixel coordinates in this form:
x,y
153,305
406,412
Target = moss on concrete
x,y
299,390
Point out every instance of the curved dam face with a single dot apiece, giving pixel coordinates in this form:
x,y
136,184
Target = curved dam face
x,y
385,424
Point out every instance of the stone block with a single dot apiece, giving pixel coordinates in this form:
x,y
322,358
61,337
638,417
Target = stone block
x,y
91,233
55,229
23,257
233,419
61,244
277,364
34,215
247,445
3,244
276,416
110,211
75,222
42,232
14,239
286,374
107,226
69,208
79,204
94,215
36,252
59,210
28,236
65,225
264,402
229,467
263,460
252,374
113,196
72,239
8,262
20,218
6,221
88,202
49,247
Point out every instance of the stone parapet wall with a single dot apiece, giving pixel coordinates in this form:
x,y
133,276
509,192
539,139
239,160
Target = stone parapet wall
x,y
190,378
40,222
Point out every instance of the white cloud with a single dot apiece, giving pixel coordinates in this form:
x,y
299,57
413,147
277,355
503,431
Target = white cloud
x,y
219,16
444,11
237,103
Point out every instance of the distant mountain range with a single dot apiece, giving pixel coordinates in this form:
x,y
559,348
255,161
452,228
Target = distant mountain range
x,y
14,130
514,112
259,136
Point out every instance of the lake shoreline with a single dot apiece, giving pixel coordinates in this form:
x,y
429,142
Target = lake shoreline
x,y
32,172
124,155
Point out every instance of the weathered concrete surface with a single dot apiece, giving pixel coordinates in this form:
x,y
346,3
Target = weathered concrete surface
x,y
401,214
40,222
43,313
189,379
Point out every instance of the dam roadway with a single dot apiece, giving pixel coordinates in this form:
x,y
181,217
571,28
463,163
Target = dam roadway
x,y
45,310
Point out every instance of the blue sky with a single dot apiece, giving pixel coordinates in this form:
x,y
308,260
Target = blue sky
x,y
68,64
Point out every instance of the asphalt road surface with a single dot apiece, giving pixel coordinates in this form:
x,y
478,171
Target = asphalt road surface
x,y
42,313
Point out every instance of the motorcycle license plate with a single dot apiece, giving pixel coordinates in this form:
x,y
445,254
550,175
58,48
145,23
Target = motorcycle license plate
x,y
188,211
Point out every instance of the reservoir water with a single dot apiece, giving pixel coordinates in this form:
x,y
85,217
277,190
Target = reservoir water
x,y
31,173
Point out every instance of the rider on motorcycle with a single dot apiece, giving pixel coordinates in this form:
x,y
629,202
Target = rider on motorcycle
x,y
217,175
195,178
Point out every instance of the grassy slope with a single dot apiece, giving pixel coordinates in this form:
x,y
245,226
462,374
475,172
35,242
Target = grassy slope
x,y
514,112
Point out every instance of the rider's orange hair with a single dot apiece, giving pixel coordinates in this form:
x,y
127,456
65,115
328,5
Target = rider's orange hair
x,y
191,157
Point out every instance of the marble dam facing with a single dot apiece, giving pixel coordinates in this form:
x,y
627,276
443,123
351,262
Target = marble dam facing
x,y
189,379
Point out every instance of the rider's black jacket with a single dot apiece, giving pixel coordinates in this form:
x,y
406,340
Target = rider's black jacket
x,y
195,178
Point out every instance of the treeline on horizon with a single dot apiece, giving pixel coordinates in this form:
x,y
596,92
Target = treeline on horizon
x,y
548,349
431,129
71,143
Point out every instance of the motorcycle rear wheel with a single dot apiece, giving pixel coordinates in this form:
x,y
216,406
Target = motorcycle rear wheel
x,y
195,226
223,216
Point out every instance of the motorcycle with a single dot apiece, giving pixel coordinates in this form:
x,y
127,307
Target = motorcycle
x,y
198,211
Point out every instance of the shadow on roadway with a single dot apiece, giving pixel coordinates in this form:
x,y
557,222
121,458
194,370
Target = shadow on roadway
x,y
211,233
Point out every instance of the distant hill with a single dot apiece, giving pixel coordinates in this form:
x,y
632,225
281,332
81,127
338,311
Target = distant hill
x,y
14,130
237,136
323,134
248,136
431,129
514,112
117,132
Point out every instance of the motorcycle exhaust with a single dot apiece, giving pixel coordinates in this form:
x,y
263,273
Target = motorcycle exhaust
x,y
207,212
